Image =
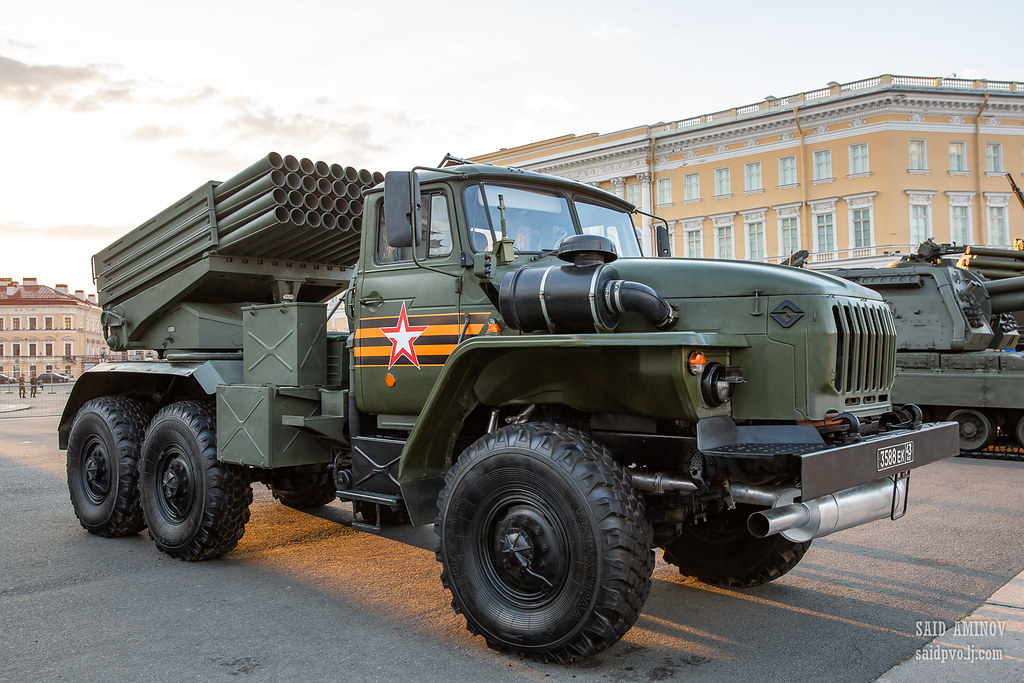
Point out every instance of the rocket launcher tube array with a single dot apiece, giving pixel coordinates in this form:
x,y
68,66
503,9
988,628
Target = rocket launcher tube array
x,y
281,207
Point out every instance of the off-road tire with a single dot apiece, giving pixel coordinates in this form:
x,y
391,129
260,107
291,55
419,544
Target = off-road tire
x,y
195,506
307,491
722,552
103,466
555,498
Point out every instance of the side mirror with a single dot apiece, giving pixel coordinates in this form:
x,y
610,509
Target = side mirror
x,y
661,236
401,207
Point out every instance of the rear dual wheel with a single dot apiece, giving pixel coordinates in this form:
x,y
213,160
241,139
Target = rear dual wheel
x,y
195,506
102,465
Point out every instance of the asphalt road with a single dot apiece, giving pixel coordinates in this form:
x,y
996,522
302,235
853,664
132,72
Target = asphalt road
x,y
305,597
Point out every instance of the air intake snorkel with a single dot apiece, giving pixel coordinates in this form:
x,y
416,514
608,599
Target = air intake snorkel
x,y
584,296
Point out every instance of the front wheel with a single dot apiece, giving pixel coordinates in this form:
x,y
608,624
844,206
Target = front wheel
x,y
722,552
543,543
196,507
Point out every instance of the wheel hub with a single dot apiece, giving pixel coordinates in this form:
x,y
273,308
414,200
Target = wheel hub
x,y
97,479
176,486
524,556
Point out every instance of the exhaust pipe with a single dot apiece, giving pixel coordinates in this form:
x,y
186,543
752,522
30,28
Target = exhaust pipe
x,y
800,522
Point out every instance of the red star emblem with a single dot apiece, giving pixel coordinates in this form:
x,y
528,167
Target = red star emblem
x,y
402,338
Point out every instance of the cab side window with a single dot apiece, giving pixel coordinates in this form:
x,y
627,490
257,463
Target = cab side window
x,y
433,239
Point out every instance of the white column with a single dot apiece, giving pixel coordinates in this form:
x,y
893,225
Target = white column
x,y
646,231
619,187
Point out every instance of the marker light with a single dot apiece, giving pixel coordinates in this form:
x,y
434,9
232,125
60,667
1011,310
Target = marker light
x,y
697,362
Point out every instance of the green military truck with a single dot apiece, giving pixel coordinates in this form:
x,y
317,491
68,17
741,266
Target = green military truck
x,y
516,373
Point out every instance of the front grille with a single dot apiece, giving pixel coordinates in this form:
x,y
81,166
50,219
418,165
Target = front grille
x,y
866,347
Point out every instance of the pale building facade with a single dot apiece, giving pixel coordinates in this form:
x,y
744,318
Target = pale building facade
x,y
850,171
48,329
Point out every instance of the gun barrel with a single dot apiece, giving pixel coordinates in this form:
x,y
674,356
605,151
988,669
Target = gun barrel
x,y
991,251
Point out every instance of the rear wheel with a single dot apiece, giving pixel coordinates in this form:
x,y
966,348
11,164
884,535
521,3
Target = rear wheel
x,y
976,431
196,507
543,543
722,552
102,465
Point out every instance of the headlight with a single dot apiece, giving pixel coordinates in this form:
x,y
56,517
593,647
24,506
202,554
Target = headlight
x,y
717,383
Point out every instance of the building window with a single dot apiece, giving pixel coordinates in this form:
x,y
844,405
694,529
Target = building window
x,y
48,348
920,223
957,157
15,323
722,185
48,323
694,244
918,155
723,242
68,350
789,230
960,225
67,322
691,187
633,194
1,324
826,231
32,322
755,240
859,158
997,233
2,353
664,190
823,164
861,227
994,157
15,349
787,170
32,349
752,175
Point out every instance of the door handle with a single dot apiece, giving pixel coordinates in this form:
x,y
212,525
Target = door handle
x,y
374,300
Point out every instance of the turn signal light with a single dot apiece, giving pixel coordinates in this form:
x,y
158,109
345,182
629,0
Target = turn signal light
x,y
697,362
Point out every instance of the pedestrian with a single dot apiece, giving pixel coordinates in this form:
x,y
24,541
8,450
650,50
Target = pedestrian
x,y
34,384
21,386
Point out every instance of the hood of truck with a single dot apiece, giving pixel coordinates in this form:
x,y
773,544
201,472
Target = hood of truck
x,y
675,278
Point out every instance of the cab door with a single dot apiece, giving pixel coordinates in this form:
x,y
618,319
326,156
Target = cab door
x,y
407,314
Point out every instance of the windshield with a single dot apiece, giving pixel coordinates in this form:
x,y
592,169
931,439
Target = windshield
x,y
614,224
538,220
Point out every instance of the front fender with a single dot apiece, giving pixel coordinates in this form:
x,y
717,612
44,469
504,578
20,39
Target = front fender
x,y
640,373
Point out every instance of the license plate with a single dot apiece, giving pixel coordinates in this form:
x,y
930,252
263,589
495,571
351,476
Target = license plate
x,y
895,456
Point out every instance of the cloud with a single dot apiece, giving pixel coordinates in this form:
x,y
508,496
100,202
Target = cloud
x,y
155,133
48,83
81,232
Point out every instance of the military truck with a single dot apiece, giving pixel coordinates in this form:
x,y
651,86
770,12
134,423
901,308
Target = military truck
x,y
957,338
515,372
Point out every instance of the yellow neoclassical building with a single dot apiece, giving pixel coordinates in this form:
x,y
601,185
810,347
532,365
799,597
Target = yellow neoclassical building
x,y
855,171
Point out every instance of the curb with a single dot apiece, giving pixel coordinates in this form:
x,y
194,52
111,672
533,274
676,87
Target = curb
x,y
13,409
986,645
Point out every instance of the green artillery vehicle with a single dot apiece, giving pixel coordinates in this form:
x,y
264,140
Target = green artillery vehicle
x,y
956,339
515,372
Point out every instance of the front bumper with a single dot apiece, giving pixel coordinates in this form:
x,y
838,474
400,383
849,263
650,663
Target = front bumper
x,y
823,470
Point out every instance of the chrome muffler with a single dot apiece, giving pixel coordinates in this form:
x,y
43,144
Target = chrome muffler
x,y
800,522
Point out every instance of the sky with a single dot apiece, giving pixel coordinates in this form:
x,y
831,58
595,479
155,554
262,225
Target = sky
x,y
112,110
